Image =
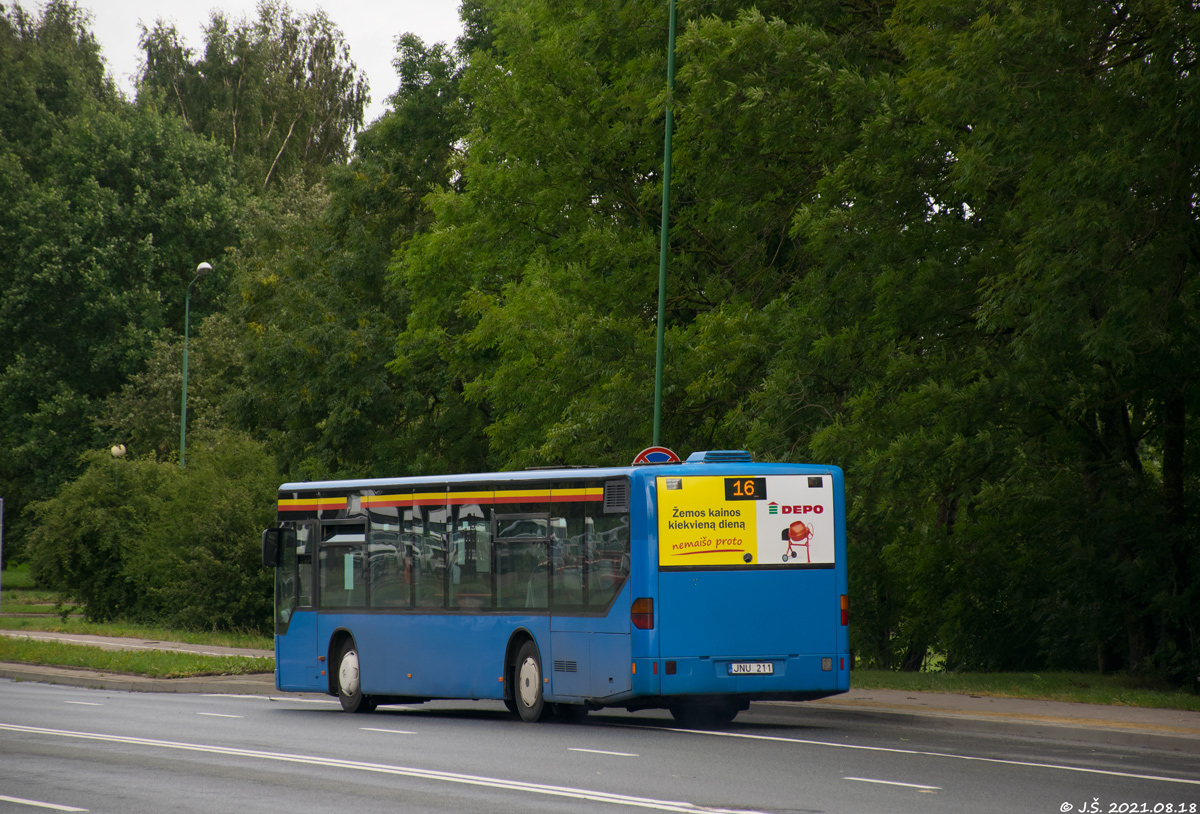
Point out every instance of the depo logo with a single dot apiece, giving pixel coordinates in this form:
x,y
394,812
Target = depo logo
x,y
775,508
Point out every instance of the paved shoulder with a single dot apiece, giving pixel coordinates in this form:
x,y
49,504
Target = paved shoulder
x,y
1132,726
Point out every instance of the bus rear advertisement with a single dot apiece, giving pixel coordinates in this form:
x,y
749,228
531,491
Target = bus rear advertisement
x,y
696,587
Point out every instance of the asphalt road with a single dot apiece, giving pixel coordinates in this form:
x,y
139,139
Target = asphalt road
x,y
114,751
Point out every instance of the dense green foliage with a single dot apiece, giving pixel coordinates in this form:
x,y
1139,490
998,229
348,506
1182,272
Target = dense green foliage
x,y
952,247
281,91
107,209
147,541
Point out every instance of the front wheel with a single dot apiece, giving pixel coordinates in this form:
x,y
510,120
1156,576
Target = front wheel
x,y
349,682
527,694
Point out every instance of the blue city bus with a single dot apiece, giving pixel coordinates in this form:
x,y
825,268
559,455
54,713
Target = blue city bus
x,y
695,587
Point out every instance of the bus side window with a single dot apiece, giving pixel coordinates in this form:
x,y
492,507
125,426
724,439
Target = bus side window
x,y
608,558
293,575
388,564
522,542
429,558
471,558
304,562
568,573
341,566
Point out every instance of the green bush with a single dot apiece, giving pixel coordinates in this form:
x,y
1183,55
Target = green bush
x,y
145,541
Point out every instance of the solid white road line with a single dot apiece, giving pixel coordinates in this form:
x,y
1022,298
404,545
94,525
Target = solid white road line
x,y
600,752
391,731
218,715
380,768
894,751
894,783
38,804
274,698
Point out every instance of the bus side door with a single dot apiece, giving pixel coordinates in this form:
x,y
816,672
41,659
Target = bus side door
x,y
297,667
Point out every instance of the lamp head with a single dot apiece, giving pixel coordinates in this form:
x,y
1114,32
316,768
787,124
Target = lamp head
x,y
202,269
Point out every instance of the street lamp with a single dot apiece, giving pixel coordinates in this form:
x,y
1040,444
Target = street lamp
x,y
201,270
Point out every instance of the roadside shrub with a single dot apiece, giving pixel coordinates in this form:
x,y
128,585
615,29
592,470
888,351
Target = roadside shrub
x,y
146,541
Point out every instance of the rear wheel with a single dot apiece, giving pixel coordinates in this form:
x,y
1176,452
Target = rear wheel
x,y
349,682
528,693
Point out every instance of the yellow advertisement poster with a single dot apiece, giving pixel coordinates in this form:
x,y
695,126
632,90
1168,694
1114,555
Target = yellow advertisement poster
x,y
776,520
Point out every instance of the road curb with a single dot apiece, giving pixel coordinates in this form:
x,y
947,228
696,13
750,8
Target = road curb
x,y
1112,733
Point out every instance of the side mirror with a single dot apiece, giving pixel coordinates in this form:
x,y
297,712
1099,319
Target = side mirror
x,y
270,548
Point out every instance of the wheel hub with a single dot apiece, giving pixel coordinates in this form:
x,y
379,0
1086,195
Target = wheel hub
x,y
348,673
527,682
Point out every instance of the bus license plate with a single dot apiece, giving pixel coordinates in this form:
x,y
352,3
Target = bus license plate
x,y
755,668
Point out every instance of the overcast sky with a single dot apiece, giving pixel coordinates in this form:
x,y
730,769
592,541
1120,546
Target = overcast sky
x,y
370,28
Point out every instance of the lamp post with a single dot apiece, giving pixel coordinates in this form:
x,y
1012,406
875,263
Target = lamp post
x,y
201,270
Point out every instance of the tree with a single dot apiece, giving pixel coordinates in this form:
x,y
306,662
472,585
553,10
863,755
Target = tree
x,y
107,208
321,315
144,413
535,287
280,92
527,296
144,540
1016,230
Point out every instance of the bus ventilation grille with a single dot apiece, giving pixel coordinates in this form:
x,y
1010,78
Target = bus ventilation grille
x,y
721,456
563,666
616,497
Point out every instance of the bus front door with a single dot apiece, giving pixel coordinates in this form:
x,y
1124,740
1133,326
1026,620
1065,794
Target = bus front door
x,y
296,658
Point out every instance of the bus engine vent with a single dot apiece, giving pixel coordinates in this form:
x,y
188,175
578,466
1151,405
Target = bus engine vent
x,y
565,666
616,496
721,456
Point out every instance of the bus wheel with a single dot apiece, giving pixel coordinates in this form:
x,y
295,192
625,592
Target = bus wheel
x,y
528,696
348,683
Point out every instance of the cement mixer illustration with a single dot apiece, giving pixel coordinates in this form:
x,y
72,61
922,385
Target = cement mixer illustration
x,y
797,535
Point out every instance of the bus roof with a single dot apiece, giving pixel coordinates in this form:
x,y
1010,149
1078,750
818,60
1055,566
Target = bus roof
x,y
720,462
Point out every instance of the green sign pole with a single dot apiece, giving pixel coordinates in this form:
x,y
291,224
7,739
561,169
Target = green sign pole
x,y
662,244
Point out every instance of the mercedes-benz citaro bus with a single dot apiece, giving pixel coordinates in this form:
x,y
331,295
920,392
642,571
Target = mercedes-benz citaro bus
x,y
695,587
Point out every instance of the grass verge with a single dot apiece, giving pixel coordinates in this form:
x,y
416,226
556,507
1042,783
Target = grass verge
x,y
1083,688
149,663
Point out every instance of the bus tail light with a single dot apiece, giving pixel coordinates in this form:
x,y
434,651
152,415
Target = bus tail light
x,y
845,609
642,613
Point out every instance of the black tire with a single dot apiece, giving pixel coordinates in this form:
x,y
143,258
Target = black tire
x,y
704,716
347,679
527,686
